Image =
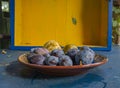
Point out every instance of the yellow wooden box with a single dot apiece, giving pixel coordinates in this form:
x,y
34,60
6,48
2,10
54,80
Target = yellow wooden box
x,y
79,22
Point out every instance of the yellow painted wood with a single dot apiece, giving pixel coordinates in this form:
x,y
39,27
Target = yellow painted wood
x,y
79,22
18,23
104,23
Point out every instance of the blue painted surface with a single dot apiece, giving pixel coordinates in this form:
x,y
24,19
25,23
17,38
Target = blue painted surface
x,y
15,75
22,47
110,24
29,47
109,40
12,10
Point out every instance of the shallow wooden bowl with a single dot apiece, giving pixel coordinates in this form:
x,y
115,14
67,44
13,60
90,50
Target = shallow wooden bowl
x,y
63,70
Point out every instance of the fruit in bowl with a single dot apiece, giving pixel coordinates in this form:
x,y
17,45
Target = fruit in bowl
x,y
57,62
65,60
63,70
85,55
35,58
73,56
51,61
72,53
69,46
53,55
41,51
57,52
51,45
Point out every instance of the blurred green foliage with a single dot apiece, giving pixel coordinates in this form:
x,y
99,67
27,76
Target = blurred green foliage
x,y
116,23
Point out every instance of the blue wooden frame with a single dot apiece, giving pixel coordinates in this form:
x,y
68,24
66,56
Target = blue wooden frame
x,y
13,47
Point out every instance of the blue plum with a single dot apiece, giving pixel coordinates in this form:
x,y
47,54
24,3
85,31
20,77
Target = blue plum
x,y
72,53
29,56
57,52
46,55
65,60
51,61
86,55
37,59
41,51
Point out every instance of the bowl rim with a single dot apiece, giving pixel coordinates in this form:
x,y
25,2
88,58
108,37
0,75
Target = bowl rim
x,y
22,58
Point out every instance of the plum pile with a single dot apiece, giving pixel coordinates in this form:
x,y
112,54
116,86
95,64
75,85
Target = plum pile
x,y
68,56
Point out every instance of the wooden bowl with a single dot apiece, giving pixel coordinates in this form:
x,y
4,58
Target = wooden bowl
x,y
63,70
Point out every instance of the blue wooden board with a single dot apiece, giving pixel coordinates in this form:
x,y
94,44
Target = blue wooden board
x,y
15,75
